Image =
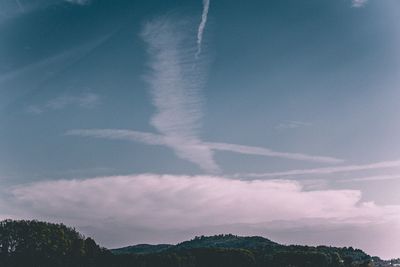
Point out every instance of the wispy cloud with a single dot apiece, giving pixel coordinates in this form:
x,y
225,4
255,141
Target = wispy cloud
x,y
79,2
260,151
12,8
115,134
87,101
291,125
202,25
154,139
372,178
328,170
43,69
30,77
359,3
176,79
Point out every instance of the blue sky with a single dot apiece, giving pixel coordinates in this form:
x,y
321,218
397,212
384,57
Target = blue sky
x,y
269,117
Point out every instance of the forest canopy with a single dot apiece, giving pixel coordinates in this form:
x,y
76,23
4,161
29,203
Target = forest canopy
x,y
35,243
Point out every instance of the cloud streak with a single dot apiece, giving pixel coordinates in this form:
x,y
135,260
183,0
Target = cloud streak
x,y
375,178
260,151
87,101
36,73
359,3
176,78
202,25
154,139
115,134
328,170
79,2
291,125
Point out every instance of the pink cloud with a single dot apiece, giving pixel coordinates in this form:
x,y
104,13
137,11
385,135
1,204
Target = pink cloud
x,y
165,201
170,204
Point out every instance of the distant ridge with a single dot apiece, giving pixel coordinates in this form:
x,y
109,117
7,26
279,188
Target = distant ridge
x,y
34,243
141,249
228,241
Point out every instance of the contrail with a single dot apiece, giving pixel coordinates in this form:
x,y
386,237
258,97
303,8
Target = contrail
x,y
206,6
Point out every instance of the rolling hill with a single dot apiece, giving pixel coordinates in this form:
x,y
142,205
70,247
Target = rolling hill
x,y
34,243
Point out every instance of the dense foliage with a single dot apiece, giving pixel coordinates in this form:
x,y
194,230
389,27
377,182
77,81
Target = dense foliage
x,y
33,243
142,249
40,244
227,241
246,251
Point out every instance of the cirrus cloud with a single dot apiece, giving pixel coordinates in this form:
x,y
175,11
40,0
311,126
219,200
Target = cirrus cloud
x,y
359,3
79,2
86,100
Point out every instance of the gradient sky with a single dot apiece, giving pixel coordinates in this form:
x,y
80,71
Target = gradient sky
x,y
154,121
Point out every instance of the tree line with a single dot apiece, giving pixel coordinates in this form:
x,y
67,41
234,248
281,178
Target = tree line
x,y
40,244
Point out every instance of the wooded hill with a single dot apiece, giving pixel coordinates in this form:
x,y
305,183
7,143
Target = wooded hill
x,y
41,244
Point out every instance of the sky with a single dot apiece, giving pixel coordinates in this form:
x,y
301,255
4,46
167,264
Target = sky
x,y
155,121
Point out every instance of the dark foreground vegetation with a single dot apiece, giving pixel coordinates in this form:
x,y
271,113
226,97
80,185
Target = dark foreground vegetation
x,y
40,244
